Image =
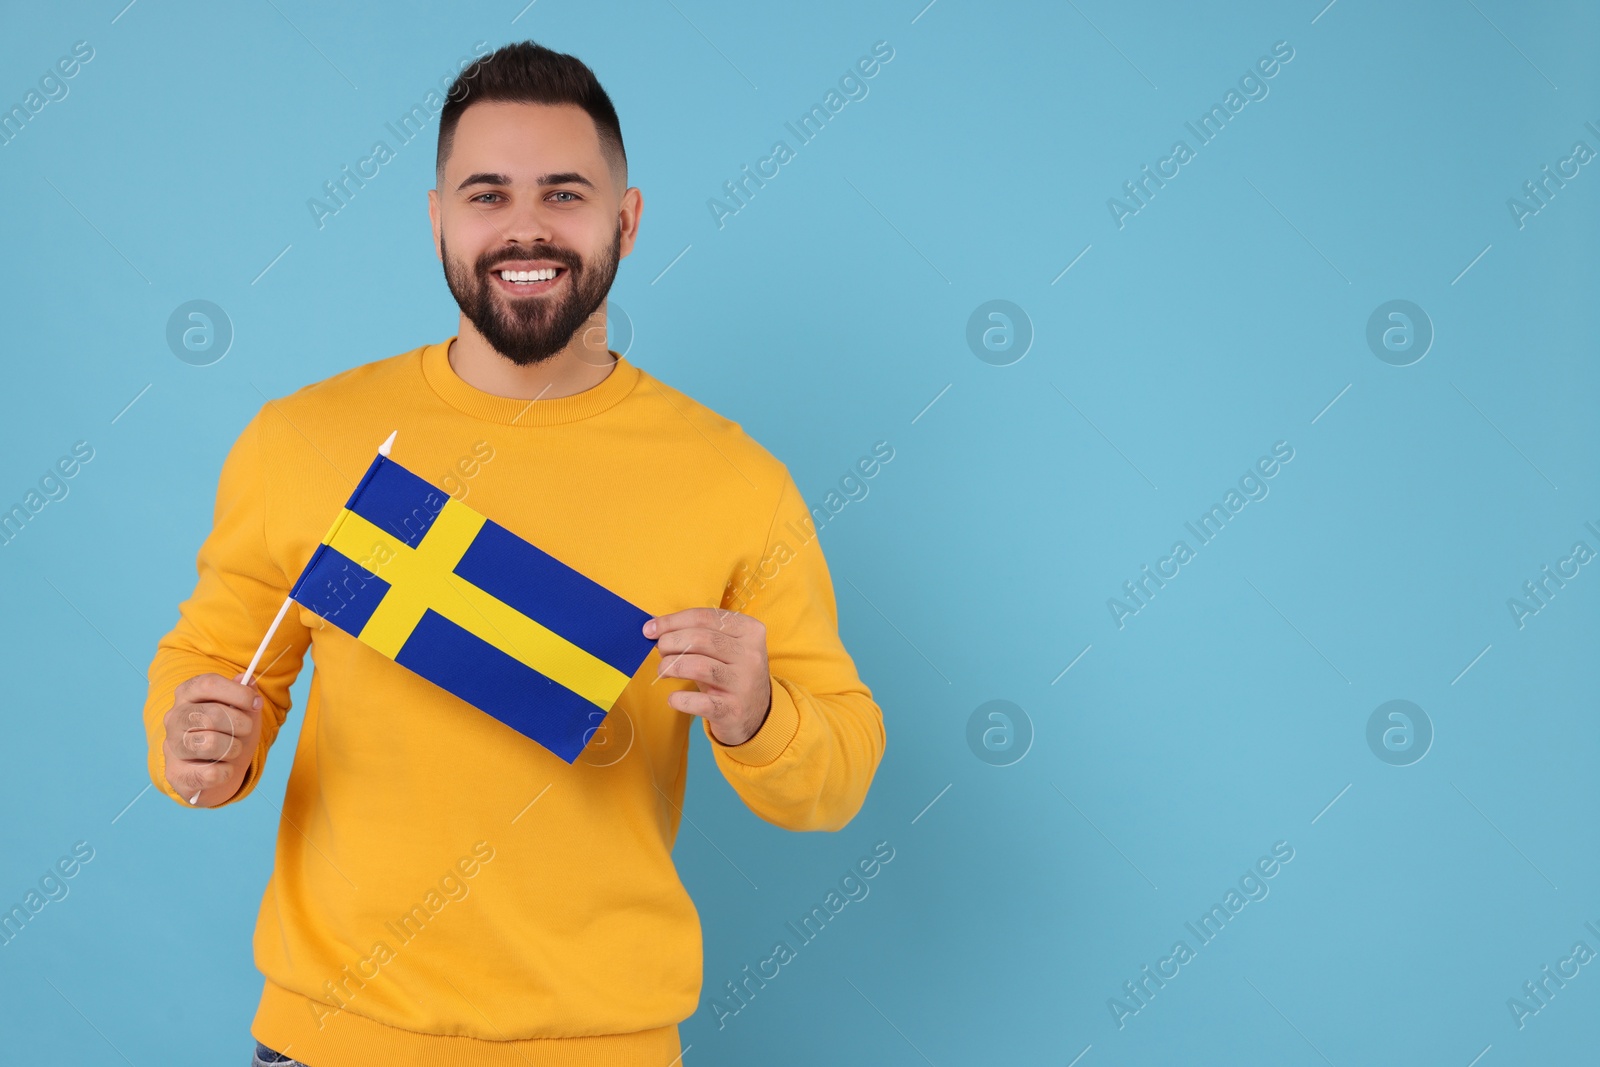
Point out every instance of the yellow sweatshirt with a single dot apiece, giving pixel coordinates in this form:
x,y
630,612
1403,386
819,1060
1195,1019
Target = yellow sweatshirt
x,y
445,891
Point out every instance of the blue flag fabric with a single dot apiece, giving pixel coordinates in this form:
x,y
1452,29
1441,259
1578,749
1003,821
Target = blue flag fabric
x,y
475,609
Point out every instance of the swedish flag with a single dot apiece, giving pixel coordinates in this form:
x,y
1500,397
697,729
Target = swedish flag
x,y
473,608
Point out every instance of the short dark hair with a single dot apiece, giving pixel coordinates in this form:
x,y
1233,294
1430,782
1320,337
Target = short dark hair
x,y
529,73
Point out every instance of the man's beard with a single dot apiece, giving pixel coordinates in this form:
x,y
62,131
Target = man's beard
x,y
531,329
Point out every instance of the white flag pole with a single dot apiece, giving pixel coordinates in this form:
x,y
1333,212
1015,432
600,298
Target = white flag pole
x,y
283,609
262,648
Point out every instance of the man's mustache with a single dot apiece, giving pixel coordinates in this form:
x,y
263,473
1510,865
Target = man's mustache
x,y
566,259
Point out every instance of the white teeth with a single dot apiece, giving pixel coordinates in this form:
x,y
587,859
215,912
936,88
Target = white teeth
x,y
529,275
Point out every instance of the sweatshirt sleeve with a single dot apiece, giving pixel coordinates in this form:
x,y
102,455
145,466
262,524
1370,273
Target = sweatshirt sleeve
x,y
809,765
239,590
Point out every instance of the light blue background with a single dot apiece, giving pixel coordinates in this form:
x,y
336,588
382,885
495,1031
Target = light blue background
x,y
828,314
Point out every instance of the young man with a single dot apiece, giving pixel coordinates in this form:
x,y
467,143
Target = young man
x,y
445,890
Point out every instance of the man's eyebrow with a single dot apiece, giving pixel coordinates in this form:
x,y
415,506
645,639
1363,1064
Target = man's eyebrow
x,y
564,178
482,178
570,177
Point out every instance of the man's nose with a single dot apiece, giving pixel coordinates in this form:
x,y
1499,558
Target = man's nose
x,y
527,223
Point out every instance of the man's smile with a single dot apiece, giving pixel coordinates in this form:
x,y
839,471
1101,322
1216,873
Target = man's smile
x,y
523,280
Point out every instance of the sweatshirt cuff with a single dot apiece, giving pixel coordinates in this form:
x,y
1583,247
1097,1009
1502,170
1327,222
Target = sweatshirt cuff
x,y
783,722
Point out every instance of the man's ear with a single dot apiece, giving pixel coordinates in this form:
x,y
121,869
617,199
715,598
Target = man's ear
x,y
433,218
630,211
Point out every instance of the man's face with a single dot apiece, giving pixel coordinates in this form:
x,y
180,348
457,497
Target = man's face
x,y
527,188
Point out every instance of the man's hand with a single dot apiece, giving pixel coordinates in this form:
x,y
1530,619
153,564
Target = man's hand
x,y
725,654
211,737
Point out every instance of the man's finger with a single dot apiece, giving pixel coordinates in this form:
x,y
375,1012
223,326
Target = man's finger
x,y
693,702
215,716
703,670
718,619
712,643
193,777
214,687
207,745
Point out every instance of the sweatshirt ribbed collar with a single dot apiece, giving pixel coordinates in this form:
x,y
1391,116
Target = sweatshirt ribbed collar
x,y
513,411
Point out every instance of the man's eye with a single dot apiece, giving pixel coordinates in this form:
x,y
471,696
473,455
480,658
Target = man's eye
x,y
480,196
564,192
